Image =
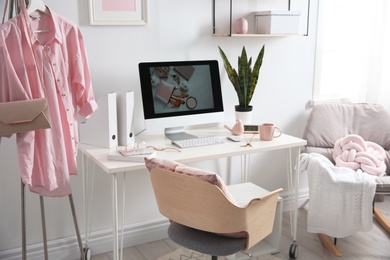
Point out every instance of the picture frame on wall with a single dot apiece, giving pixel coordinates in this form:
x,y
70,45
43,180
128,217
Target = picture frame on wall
x,y
118,12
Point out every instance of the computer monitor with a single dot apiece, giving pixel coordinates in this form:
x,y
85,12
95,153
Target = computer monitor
x,y
176,94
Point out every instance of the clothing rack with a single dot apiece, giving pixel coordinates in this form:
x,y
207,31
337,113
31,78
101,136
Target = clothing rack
x,y
14,8
43,220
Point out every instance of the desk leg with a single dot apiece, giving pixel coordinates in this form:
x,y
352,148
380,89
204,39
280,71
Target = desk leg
x,y
123,213
245,162
296,172
114,190
293,181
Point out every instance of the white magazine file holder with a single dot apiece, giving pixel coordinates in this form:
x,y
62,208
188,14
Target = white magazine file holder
x,y
101,129
125,105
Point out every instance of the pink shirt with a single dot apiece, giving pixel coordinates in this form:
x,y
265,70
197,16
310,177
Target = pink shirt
x,y
47,157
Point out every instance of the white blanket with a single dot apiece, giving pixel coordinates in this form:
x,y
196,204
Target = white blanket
x,y
340,199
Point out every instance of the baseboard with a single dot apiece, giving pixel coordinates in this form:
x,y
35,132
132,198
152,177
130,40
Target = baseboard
x,y
101,241
288,199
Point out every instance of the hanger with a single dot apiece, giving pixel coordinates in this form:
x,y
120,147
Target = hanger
x,y
35,8
37,5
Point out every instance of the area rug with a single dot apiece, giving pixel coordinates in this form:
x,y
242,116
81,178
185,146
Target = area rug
x,y
186,254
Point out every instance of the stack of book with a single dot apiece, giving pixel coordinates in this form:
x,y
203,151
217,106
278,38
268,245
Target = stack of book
x,y
137,156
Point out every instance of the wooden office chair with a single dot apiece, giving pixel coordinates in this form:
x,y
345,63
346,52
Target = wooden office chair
x,y
204,218
329,122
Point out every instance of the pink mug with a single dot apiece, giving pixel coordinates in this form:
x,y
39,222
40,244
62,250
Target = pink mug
x,y
267,132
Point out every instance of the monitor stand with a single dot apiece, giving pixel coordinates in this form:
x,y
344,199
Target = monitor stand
x,y
177,133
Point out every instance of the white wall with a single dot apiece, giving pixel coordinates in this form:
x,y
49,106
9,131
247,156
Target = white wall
x,y
177,30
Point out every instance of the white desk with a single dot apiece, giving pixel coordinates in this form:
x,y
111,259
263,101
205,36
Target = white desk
x,y
188,155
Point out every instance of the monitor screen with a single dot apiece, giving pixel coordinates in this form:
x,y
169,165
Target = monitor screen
x,y
176,94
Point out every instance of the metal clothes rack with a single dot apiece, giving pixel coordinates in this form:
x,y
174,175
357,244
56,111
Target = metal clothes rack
x,y
14,8
43,220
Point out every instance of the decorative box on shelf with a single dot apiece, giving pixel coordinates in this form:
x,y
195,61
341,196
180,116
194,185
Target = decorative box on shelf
x,y
277,22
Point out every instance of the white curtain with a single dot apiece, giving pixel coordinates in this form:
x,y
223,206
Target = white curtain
x,y
353,55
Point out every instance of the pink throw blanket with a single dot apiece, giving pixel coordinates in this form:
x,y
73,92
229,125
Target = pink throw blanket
x,y
355,153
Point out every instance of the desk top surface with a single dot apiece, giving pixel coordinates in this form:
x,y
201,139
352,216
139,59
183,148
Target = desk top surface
x,y
187,155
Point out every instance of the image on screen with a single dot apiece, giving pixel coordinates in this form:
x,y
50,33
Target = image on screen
x,y
181,88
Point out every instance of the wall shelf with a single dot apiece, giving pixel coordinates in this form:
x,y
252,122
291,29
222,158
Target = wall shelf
x,y
258,35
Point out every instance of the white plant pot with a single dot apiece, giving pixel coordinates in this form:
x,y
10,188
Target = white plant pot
x,y
246,117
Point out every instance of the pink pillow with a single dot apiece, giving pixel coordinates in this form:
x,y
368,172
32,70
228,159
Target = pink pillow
x,y
160,163
180,168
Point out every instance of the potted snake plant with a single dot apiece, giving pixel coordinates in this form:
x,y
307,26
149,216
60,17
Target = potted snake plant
x,y
244,79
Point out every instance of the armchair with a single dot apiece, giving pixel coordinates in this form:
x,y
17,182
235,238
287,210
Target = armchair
x,y
329,122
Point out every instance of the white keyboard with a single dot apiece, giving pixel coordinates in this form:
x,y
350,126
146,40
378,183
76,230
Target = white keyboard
x,y
198,141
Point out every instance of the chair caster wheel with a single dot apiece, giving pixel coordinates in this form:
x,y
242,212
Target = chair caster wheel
x,y
87,253
293,253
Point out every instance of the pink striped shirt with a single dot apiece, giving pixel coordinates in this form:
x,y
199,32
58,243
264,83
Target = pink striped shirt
x,y
47,157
